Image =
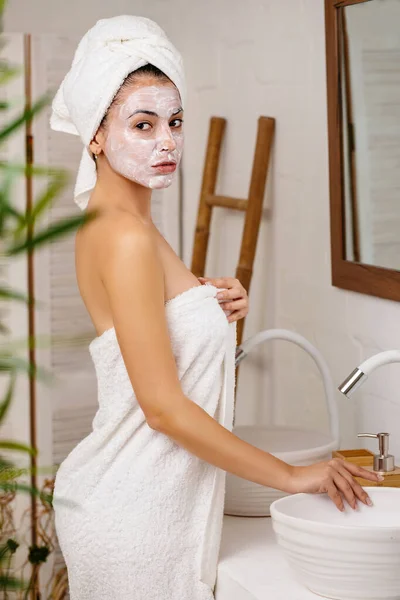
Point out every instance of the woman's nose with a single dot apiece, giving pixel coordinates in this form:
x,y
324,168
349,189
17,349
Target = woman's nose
x,y
167,140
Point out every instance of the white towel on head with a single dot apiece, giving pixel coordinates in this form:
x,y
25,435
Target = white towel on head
x,y
105,56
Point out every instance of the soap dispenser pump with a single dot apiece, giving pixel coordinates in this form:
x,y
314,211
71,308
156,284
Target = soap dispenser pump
x,y
383,461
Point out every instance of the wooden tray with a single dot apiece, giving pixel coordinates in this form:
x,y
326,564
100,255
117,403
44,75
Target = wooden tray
x,y
360,457
365,458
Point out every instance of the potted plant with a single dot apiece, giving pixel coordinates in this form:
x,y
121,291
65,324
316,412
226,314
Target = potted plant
x,y
20,232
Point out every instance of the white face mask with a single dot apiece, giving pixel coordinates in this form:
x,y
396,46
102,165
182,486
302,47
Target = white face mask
x,y
136,143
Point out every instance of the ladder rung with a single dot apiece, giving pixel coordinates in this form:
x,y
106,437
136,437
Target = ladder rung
x,y
226,202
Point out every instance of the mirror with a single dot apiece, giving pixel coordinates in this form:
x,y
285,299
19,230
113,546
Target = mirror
x,y
371,135
363,69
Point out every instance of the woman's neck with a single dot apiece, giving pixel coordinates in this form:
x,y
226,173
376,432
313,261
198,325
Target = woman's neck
x,y
113,191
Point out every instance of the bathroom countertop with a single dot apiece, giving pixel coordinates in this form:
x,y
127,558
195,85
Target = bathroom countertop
x,y
252,566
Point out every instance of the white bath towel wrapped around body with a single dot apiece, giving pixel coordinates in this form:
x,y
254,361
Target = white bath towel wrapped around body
x,y
148,516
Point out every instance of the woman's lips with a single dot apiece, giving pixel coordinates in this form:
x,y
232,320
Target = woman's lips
x,y
165,168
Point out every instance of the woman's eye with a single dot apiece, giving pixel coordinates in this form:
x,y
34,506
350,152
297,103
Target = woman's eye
x,y
176,123
143,126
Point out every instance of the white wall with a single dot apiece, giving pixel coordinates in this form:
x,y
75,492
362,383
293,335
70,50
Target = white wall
x,y
243,60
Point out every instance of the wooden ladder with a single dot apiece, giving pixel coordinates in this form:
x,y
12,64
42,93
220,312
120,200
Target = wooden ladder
x,y
251,206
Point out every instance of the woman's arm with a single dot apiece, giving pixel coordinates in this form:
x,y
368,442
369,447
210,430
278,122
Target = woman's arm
x,y
132,273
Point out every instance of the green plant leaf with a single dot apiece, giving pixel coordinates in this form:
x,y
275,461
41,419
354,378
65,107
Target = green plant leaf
x,y
10,472
31,170
9,73
27,115
2,6
8,294
10,363
17,446
27,489
8,179
7,210
4,464
58,179
5,550
11,583
54,231
54,188
4,329
5,405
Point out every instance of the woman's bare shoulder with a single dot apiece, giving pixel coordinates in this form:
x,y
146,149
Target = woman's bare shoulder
x,y
115,231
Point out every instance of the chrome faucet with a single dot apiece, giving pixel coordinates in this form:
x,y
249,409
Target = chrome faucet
x,y
359,375
382,461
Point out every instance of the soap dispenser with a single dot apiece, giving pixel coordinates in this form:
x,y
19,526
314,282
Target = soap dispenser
x,y
382,462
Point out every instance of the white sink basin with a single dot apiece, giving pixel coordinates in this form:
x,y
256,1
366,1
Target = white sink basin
x,y
354,555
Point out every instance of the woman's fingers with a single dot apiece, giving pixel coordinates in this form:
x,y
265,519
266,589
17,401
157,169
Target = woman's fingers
x,y
343,478
336,478
357,490
346,488
335,496
364,473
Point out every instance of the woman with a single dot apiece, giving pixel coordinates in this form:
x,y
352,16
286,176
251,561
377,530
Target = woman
x,y
138,502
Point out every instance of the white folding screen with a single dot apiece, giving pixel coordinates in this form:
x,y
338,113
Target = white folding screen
x,y
13,274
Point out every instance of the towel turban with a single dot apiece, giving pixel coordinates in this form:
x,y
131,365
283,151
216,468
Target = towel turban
x,y
105,56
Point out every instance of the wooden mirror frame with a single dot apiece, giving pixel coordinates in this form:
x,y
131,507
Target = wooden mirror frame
x,y
362,278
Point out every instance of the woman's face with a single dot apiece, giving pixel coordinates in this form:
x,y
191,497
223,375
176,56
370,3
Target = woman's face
x,y
144,140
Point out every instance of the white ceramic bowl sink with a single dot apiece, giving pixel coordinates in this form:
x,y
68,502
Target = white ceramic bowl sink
x,y
295,446
354,555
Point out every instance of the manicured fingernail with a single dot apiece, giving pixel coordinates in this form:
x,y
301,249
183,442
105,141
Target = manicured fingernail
x,y
220,296
369,501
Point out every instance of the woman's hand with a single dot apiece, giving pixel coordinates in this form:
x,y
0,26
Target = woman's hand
x,y
234,298
334,477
